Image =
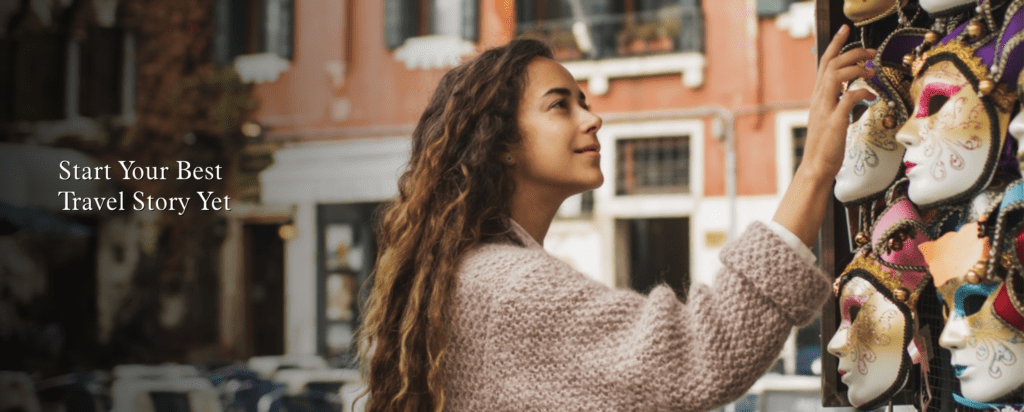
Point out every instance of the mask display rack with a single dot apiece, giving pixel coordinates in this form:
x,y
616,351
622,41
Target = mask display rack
x,y
928,305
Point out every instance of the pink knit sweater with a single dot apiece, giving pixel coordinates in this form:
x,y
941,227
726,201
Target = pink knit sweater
x,y
534,334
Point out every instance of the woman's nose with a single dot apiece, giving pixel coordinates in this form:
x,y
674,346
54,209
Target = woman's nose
x,y
954,334
591,122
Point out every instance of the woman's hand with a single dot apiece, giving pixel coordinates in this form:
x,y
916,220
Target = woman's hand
x,y
803,206
830,115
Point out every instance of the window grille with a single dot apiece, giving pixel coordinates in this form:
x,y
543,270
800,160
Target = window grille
x,y
653,165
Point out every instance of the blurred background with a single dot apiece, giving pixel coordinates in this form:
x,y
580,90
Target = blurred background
x,y
308,107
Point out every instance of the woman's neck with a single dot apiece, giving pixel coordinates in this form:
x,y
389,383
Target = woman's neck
x,y
534,210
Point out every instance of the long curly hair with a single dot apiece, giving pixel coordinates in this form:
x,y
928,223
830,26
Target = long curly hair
x,y
453,195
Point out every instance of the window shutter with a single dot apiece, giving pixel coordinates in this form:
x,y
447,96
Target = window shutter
x,y
401,21
602,36
7,102
769,8
279,27
691,37
235,23
222,33
100,70
40,77
470,20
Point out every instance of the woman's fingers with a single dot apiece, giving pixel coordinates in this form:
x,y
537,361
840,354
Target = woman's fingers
x,y
841,70
847,74
845,106
833,48
852,57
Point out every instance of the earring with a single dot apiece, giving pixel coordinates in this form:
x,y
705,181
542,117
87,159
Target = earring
x,y
508,159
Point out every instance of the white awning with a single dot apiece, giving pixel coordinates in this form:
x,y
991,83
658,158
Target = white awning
x,y
30,176
351,171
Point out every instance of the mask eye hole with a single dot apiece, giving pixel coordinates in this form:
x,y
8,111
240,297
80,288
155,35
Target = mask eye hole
x,y
945,309
973,303
858,111
854,311
935,103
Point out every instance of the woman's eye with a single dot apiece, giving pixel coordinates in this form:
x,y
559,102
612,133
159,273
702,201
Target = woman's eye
x,y
561,104
973,303
945,309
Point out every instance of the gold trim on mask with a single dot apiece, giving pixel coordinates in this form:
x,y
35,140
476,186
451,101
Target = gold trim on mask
x,y
888,278
894,78
1001,94
959,49
888,12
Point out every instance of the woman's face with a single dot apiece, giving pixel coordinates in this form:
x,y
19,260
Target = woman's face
x,y
987,355
559,153
869,342
949,136
872,155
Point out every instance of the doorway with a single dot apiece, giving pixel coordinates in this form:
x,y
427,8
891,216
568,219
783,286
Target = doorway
x,y
658,252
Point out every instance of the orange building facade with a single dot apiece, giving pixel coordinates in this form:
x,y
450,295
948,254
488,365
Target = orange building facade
x,y
701,135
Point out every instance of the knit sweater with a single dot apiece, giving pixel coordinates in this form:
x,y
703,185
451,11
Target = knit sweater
x,y
531,333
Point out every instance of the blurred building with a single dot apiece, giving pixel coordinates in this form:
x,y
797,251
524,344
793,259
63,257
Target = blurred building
x,y
705,109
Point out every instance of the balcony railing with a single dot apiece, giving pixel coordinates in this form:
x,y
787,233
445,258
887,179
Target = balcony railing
x,y
668,29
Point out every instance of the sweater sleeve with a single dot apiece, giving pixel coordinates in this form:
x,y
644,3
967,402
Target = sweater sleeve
x,y
564,342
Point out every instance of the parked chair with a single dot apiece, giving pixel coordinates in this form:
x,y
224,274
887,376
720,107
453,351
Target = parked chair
x,y
165,395
78,392
165,371
267,366
241,389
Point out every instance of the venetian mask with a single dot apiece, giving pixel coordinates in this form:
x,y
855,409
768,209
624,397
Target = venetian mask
x,y
987,354
1017,124
985,351
873,156
954,133
875,342
939,6
868,11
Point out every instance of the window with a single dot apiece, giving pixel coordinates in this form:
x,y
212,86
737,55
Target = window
x,y
49,76
405,19
790,137
253,27
799,134
101,74
39,78
771,8
614,28
652,165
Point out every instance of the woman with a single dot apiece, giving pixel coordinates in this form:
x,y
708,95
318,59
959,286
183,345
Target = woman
x,y
467,311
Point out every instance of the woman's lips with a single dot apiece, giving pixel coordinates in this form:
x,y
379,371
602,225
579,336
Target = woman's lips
x,y
909,165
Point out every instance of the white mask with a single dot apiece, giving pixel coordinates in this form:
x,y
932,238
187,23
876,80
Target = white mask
x,y
952,142
869,342
1017,126
873,156
938,6
987,354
